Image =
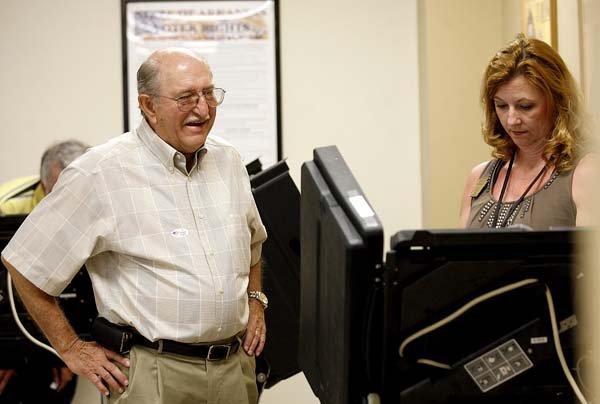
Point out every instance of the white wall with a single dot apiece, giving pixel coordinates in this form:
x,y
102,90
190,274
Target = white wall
x,y
61,77
569,32
458,38
349,77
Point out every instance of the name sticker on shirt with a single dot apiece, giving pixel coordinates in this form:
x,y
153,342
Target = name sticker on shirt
x,y
179,232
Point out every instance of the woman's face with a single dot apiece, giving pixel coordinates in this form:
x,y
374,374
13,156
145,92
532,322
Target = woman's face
x,y
523,112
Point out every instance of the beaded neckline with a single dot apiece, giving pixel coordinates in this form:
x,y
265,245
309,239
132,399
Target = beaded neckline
x,y
505,207
492,175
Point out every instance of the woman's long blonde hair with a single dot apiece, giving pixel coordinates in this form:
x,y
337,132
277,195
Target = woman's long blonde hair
x,y
542,67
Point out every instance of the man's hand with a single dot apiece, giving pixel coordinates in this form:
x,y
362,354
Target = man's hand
x,y
5,375
256,332
61,377
87,359
95,362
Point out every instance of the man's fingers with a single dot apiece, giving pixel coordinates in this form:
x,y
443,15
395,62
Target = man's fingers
x,y
248,340
116,373
256,331
113,356
94,362
62,377
107,377
253,344
61,385
97,381
111,376
261,343
254,340
56,380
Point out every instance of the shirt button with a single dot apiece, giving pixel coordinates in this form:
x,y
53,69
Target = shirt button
x,y
221,291
220,329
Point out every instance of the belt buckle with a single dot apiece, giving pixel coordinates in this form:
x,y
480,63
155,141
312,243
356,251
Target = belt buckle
x,y
213,349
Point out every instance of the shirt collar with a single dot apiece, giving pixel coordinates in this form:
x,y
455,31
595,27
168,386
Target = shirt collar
x,y
167,155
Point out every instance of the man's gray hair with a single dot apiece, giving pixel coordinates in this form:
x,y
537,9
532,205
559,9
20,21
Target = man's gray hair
x,y
61,154
147,77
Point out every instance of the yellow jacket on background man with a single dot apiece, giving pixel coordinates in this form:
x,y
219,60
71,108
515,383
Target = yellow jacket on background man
x,y
21,195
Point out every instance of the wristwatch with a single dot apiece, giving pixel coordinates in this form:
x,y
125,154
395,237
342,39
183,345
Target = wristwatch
x,y
260,296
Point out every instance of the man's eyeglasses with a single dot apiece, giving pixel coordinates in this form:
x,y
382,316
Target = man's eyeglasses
x,y
187,102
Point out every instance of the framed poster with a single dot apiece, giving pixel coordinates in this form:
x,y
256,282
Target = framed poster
x,y
539,20
239,41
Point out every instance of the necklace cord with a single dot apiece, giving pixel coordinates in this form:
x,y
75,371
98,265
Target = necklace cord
x,y
518,201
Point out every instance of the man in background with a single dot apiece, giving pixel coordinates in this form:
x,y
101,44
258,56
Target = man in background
x,y
35,380
20,196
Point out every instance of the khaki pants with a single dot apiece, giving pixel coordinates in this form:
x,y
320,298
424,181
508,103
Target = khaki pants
x,y
164,378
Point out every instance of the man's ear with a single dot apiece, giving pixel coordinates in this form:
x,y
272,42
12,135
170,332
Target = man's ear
x,y
146,103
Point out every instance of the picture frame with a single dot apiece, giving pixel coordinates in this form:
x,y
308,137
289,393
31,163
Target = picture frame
x,y
539,20
240,41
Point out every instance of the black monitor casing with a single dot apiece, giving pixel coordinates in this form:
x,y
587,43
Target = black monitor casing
x,y
342,246
278,202
431,274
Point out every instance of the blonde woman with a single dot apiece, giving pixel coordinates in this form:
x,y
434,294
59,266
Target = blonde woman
x,y
534,121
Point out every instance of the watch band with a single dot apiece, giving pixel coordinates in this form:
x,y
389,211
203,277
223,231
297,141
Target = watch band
x,y
260,296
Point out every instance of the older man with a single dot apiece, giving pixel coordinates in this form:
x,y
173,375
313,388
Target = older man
x,y
164,220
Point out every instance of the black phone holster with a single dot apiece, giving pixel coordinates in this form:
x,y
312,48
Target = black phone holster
x,y
115,337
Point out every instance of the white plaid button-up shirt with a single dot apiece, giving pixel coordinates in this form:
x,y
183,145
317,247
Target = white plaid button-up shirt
x,y
168,251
